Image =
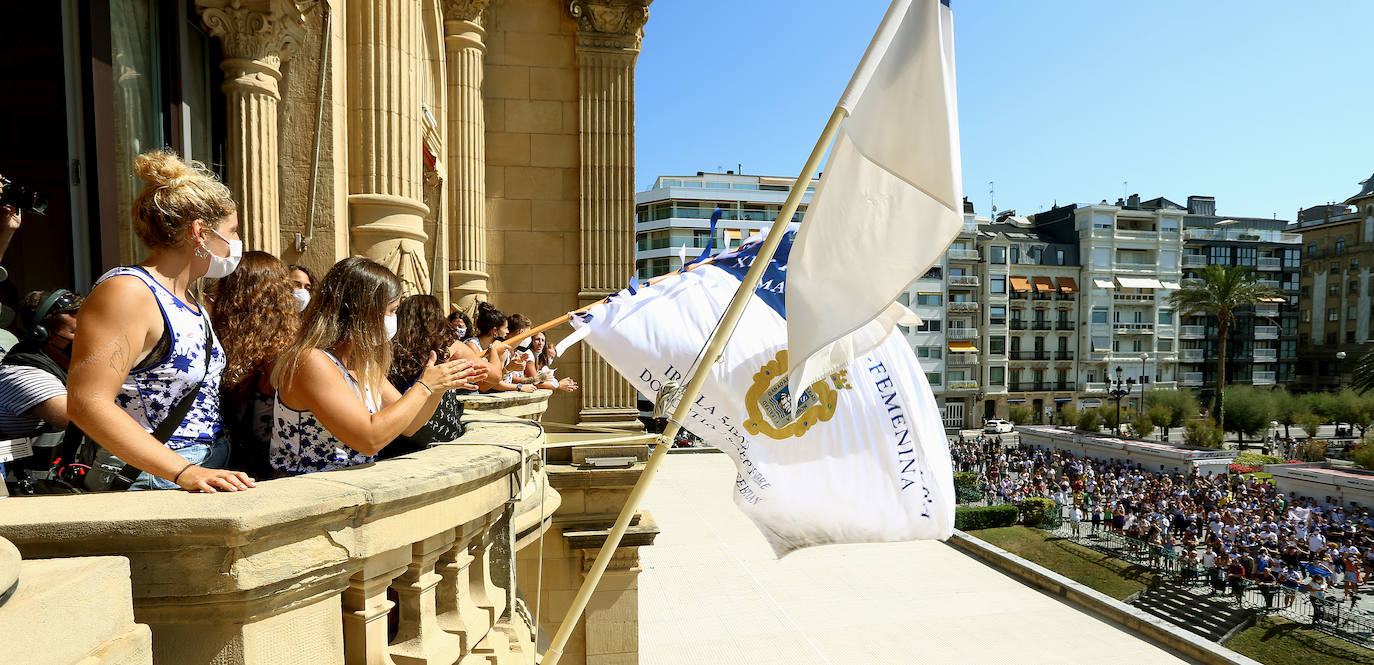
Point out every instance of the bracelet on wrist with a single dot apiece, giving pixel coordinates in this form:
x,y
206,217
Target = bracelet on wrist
x,y
183,470
425,386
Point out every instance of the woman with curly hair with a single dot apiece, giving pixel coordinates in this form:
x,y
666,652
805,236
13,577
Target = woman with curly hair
x,y
255,316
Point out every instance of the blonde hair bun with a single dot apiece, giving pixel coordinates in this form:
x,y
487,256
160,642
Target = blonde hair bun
x,y
174,194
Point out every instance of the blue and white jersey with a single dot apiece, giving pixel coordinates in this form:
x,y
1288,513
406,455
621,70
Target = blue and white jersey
x,y
301,444
150,392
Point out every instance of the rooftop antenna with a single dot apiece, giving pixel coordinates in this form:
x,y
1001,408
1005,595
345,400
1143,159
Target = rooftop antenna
x,y
1124,187
992,196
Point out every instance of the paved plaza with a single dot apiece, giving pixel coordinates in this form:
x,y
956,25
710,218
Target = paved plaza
x,y
712,592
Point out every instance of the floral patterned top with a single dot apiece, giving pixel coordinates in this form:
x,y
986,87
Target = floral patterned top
x,y
300,444
151,390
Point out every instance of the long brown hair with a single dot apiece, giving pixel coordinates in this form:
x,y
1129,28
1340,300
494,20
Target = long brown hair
x,y
255,318
348,307
420,328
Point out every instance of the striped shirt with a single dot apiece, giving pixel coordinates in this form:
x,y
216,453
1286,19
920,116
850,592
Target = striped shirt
x,y
21,389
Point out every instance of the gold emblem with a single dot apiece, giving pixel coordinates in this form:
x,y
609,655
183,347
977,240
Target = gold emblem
x,y
769,402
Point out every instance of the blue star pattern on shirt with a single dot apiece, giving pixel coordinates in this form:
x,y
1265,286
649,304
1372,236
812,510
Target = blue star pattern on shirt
x,y
300,444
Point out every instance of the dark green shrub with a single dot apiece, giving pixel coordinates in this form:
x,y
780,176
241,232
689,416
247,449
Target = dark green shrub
x,y
966,487
1089,420
968,518
1038,511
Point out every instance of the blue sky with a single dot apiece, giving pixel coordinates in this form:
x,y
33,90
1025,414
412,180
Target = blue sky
x,y
1265,105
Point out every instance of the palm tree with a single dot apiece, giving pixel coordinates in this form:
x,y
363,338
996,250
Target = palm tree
x,y
1364,372
1222,291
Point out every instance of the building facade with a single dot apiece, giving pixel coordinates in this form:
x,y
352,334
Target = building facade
x,y
673,217
1333,303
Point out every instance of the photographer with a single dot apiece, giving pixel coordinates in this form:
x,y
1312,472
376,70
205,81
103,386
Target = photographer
x,y
33,377
11,210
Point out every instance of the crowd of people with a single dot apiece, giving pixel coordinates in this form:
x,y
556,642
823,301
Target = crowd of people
x,y
1231,531
264,372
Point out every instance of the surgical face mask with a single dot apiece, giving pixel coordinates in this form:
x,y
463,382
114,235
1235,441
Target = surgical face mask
x,y
462,332
302,298
390,323
222,266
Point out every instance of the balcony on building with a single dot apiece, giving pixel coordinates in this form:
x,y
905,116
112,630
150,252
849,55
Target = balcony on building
x,y
1127,328
963,306
1242,235
963,255
1018,324
1134,298
1263,378
1042,324
1065,324
1192,332
1269,263
964,386
964,281
961,359
1267,309
1270,283
1266,355
1193,355
962,333
1194,260
1191,379
1266,332
1063,355
1191,281
1029,355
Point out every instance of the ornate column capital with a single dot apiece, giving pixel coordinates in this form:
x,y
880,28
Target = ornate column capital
x,y
259,31
614,24
464,10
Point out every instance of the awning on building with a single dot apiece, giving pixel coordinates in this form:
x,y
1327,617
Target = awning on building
x,y
1273,300
1067,285
1061,400
1139,283
1016,400
962,347
1019,284
1171,285
1043,284
1103,284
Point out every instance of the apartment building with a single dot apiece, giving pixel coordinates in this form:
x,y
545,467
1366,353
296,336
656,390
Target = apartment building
x,y
1030,327
1335,289
1261,347
672,218
947,298
1130,262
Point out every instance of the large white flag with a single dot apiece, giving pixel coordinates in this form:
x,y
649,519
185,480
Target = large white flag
x,y
867,458
890,200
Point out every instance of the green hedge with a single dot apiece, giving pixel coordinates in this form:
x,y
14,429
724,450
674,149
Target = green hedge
x,y
1038,512
966,487
967,518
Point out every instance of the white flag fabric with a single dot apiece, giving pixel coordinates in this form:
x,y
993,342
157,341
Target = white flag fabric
x,y
890,199
865,461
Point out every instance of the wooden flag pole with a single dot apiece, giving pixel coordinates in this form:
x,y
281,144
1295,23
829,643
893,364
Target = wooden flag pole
x,y
714,347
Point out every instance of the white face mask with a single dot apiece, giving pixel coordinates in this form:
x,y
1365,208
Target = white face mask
x,y
302,298
462,332
390,323
222,266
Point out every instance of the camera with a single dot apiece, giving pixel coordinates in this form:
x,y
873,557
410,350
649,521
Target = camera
x,y
21,197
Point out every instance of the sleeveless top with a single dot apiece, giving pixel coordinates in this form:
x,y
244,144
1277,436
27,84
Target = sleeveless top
x,y
151,390
300,444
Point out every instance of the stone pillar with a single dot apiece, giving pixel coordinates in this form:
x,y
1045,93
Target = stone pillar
x,y
465,50
609,33
385,180
257,36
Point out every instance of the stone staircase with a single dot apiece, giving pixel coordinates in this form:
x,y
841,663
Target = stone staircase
x,y
1190,608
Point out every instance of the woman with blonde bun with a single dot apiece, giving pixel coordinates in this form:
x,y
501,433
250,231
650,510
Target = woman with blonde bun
x,y
146,343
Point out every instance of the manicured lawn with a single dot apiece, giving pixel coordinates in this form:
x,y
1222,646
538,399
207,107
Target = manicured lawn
x,y
1104,573
1276,641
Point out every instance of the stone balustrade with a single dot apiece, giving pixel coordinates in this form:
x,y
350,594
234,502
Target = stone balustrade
x,y
409,561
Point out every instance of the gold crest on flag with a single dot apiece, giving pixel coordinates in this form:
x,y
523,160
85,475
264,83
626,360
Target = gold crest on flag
x,y
769,402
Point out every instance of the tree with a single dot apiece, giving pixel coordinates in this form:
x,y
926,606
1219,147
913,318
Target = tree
x,y
1222,291
1202,434
1364,372
1182,403
1143,426
1019,415
1109,418
1349,406
1363,454
1089,420
1309,422
1068,415
1284,408
1247,411
1160,415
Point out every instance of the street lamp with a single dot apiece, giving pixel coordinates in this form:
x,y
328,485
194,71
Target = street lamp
x,y
1119,389
1340,355
1144,379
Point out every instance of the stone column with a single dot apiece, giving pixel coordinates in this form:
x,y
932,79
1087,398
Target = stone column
x,y
385,179
465,50
257,36
609,33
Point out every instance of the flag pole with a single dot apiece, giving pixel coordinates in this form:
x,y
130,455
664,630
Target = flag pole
x,y
714,347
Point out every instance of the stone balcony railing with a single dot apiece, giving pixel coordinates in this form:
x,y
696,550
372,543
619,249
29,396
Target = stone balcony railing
x,y
298,570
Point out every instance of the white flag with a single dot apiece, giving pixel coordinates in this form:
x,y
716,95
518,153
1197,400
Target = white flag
x,y
890,200
866,460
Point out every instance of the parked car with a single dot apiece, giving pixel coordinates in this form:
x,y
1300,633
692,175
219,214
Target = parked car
x,y
998,426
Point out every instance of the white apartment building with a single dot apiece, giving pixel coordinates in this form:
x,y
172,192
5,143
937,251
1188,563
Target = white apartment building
x,y
672,218
1131,263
